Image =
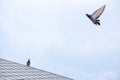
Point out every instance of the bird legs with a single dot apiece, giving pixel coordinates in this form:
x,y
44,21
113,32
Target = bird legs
x,y
97,22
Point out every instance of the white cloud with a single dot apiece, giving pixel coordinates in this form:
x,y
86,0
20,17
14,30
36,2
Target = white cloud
x,y
112,75
45,26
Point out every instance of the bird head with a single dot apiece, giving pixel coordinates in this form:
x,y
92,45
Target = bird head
x,y
88,15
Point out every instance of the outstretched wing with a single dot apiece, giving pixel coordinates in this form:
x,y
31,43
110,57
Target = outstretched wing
x,y
98,12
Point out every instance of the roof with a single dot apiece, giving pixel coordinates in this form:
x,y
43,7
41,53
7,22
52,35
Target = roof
x,y
14,71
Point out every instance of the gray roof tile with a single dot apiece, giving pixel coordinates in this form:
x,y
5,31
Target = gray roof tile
x,y
13,71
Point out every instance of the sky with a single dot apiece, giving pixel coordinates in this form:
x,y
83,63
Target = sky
x,y
58,37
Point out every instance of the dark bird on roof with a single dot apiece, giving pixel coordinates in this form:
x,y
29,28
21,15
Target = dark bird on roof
x,y
28,63
94,17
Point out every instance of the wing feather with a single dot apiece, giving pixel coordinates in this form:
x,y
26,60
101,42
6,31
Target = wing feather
x,y
98,12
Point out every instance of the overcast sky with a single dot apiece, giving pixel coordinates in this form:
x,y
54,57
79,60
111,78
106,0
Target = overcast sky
x,y
58,37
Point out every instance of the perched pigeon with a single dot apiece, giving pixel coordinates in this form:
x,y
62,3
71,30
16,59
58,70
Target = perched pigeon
x,y
28,63
94,17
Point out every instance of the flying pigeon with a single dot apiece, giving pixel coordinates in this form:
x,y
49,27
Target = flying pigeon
x,y
94,17
28,63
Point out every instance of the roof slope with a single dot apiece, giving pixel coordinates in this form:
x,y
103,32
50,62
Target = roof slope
x,y
14,71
